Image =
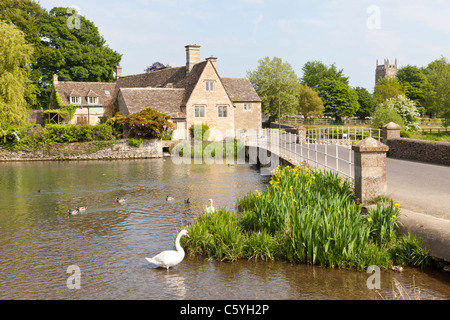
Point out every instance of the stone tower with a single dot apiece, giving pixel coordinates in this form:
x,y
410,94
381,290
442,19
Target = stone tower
x,y
386,70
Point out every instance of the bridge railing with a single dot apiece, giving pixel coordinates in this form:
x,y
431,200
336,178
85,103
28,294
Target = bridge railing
x,y
339,134
318,154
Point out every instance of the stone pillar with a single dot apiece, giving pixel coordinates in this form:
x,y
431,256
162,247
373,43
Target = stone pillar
x,y
301,133
370,169
390,131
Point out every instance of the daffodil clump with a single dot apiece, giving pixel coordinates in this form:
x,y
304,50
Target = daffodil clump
x,y
304,216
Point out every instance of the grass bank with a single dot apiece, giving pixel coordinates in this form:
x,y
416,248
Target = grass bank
x,y
307,217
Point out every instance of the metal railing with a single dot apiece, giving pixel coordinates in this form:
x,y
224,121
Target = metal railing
x,y
318,154
343,135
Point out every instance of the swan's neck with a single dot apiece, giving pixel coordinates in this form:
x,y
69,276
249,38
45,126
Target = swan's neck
x,y
177,244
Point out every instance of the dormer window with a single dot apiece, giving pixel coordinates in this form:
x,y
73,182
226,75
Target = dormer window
x,y
92,100
75,100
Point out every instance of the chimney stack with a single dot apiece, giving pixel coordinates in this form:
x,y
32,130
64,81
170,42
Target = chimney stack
x,y
118,72
213,61
192,57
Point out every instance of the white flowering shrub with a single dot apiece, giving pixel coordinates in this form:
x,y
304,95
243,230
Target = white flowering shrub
x,y
407,109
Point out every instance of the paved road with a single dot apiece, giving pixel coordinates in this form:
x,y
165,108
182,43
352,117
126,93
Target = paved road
x,y
420,187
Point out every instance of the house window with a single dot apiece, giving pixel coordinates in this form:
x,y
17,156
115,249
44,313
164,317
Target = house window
x,y
247,107
107,93
210,86
199,111
93,100
75,100
222,111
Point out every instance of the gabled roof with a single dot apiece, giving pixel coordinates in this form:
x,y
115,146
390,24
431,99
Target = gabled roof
x,y
66,89
240,90
165,101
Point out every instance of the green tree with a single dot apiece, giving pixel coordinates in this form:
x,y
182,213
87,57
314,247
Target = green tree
x,y
384,114
27,16
276,83
15,85
147,123
78,52
367,103
438,99
415,83
316,71
338,98
388,88
310,104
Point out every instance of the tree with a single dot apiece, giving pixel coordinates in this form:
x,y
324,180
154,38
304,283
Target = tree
x,y
316,71
77,53
338,98
27,15
384,114
155,67
407,110
15,57
388,88
310,103
438,99
415,83
147,123
277,84
367,103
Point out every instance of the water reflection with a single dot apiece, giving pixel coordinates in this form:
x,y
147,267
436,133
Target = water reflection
x,y
38,240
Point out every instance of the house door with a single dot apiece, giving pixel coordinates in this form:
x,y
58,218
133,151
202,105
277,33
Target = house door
x,y
180,132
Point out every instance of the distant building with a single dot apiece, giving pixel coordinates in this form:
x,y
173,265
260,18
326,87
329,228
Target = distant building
x,y
385,70
191,94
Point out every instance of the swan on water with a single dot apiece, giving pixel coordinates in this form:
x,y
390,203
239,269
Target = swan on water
x,y
210,209
170,258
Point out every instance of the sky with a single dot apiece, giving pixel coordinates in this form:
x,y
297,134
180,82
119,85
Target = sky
x,y
352,34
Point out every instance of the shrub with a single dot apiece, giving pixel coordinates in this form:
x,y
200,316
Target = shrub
x,y
145,124
135,143
384,114
199,131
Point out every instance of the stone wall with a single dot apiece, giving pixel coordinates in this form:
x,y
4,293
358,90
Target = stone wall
x,y
148,149
435,152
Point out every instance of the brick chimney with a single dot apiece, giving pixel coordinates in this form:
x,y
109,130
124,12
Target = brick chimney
x,y
192,57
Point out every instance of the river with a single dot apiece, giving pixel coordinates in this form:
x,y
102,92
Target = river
x,y
40,243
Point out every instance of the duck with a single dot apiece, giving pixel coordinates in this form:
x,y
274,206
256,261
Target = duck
x,y
81,209
187,201
120,200
210,209
170,258
73,212
169,198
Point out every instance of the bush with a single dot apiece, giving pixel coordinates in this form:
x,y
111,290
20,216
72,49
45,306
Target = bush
x,y
383,115
199,131
145,124
135,143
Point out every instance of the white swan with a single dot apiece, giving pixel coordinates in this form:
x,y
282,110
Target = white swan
x,y
210,209
170,258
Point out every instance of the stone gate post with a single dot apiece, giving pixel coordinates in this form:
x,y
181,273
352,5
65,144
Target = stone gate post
x,y
390,131
370,169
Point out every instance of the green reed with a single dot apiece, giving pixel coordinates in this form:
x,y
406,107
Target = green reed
x,y
304,216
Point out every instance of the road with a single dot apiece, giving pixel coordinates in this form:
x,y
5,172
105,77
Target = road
x,y
420,187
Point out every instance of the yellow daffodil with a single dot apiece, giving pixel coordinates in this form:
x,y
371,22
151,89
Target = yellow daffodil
x,y
397,205
394,217
368,219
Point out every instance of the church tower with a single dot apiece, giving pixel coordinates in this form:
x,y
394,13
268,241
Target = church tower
x,y
385,70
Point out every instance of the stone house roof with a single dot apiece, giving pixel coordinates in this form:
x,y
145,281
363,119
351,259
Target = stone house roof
x,y
164,100
66,89
240,90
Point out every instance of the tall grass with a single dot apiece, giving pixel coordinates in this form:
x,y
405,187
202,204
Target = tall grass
x,y
304,216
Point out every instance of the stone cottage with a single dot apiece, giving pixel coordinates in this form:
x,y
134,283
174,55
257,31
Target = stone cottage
x,y
191,94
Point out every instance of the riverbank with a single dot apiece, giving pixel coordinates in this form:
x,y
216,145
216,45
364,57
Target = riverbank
x,y
96,150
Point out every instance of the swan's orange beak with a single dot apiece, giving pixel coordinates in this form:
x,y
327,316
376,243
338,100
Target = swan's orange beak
x,y
187,235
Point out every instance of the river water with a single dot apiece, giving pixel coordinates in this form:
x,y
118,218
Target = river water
x,y
40,243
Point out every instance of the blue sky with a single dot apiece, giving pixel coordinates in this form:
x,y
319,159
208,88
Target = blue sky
x,y
352,34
